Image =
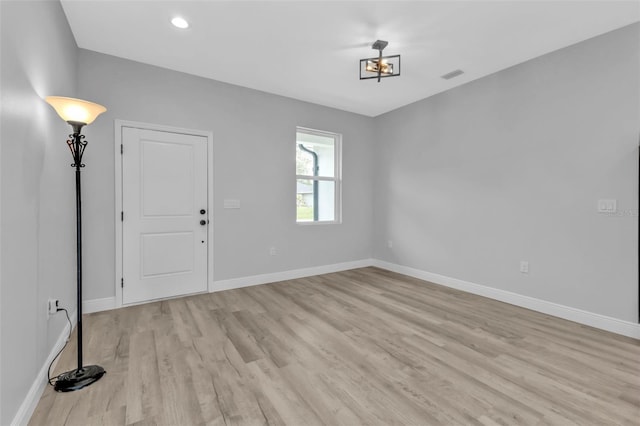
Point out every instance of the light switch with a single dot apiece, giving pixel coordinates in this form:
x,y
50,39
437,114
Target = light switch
x,y
231,204
607,206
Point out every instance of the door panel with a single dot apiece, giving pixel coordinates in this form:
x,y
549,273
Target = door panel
x,y
167,179
164,187
169,253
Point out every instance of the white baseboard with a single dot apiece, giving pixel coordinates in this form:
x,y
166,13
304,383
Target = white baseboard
x,y
288,275
30,402
98,305
108,303
602,322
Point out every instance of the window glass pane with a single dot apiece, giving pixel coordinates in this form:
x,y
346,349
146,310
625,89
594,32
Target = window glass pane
x,y
304,161
326,200
304,200
315,155
315,200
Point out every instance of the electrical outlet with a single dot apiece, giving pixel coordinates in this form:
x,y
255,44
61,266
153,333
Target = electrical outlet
x,y
389,244
273,251
524,266
52,306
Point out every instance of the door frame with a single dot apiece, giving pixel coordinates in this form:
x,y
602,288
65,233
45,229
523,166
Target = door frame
x,y
118,125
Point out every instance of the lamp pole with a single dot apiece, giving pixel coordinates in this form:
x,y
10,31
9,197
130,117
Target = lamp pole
x,y
77,145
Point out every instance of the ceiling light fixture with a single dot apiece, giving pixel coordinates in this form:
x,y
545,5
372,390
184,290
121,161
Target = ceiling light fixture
x,y
179,22
380,67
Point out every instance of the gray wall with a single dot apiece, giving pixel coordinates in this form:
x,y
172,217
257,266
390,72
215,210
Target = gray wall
x,y
254,161
510,167
38,56
467,183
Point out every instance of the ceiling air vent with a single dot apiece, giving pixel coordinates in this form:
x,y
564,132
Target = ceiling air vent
x,y
452,74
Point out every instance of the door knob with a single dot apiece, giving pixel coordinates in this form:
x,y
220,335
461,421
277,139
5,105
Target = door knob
x,y
203,222
203,211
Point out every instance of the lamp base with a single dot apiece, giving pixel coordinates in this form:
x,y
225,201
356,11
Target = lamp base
x,y
79,378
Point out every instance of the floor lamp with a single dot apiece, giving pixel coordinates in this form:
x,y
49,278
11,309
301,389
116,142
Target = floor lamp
x,y
77,113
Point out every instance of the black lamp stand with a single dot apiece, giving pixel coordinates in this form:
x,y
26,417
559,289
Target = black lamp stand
x,y
83,375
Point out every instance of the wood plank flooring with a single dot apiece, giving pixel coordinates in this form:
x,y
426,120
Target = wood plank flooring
x,y
365,346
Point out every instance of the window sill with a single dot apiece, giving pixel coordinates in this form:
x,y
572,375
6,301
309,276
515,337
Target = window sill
x,y
324,222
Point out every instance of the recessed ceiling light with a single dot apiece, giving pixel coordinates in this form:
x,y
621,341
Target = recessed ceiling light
x,y
180,23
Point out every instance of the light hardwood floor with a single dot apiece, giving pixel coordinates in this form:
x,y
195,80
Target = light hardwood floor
x,y
365,346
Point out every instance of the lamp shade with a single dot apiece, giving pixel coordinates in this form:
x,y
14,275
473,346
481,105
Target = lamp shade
x,y
75,110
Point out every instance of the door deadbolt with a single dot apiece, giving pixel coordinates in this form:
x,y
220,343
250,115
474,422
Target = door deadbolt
x,y
203,211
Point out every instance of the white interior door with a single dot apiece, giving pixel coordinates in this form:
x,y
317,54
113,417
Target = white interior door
x,y
165,217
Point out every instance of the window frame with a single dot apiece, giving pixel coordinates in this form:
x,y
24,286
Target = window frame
x,y
336,179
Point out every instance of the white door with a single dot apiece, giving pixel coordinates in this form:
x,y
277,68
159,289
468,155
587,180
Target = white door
x,y
165,218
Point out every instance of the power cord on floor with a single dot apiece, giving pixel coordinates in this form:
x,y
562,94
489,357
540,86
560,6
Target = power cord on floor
x,y
52,380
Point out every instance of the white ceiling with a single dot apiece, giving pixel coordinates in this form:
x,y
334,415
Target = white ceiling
x,y
310,50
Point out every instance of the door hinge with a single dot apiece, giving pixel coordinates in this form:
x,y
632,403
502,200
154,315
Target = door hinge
x,y
121,282
121,149
122,216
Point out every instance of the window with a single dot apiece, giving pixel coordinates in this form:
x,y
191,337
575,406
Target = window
x,y
317,176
